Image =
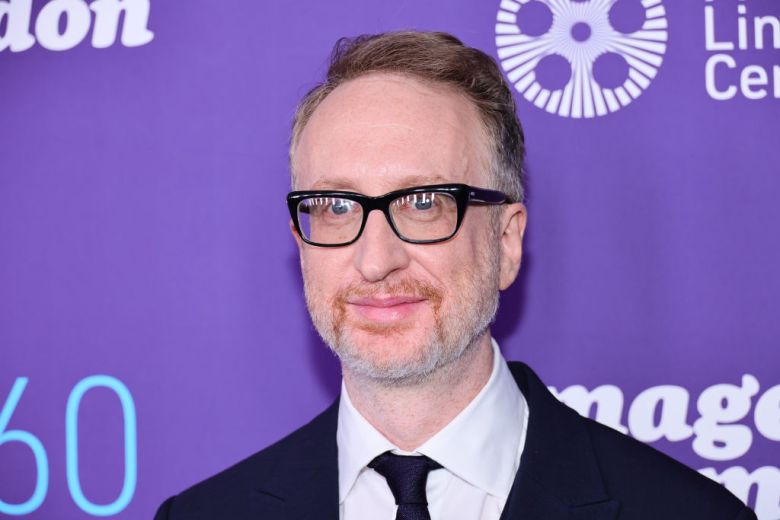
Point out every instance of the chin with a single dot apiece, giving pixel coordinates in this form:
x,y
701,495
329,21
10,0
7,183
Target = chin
x,y
398,358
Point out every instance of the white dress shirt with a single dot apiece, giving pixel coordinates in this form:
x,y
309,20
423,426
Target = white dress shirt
x,y
479,450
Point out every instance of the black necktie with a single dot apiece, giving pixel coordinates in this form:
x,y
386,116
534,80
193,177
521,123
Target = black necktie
x,y
406,476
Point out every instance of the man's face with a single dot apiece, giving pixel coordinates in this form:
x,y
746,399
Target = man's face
x,y
390,310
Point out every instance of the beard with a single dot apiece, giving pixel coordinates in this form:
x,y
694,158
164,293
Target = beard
x,y
461,312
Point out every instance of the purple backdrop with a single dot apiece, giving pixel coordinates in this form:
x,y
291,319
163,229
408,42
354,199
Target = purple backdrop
x,y
144,235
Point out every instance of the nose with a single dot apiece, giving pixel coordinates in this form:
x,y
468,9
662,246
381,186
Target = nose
x,y
378,251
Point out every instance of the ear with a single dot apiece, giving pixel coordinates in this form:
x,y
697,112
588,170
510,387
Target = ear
x,y
295,235
512,229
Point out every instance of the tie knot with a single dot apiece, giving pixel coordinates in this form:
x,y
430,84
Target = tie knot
x,y
406,475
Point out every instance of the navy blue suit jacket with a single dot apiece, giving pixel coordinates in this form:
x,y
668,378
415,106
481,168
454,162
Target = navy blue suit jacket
x,y
571,468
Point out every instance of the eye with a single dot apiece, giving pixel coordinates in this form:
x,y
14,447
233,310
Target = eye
x,y
425,202
418,201
341,206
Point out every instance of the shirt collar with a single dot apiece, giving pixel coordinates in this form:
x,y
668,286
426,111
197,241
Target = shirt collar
x,y
358,443
481,445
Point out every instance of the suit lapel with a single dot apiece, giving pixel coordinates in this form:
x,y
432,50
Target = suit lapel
x,y
558,476
302,483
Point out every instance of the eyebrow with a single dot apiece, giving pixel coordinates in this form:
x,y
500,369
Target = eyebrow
x,y
343,183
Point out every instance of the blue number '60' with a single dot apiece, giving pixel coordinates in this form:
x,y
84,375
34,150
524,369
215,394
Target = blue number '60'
x,y
72,450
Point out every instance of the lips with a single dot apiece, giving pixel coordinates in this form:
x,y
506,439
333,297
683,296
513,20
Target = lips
x,y
386,309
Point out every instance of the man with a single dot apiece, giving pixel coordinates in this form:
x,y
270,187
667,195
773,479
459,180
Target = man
x,y
409,220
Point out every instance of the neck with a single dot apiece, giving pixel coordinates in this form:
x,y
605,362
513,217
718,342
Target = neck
x,y
409,415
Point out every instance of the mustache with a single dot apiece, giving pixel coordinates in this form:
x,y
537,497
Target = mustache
x,y
405,287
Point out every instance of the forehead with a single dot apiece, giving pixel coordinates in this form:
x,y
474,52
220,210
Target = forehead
x,y
384,131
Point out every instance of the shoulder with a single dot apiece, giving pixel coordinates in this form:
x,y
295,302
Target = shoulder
x,y
257,483
566,451
650,483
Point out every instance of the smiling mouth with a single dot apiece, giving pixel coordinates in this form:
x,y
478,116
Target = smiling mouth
x,y
386,309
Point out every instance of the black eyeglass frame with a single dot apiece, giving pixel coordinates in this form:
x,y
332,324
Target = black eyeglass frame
x,y
462,193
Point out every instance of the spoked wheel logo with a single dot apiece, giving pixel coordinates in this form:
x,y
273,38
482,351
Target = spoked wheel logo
x,y
583,58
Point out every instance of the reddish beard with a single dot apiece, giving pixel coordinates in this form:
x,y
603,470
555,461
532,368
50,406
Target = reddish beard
x,y
405,287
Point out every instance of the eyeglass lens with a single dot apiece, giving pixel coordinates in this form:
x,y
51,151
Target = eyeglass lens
x,y
417,216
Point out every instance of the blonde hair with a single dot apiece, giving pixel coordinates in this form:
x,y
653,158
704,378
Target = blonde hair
x,y
435,57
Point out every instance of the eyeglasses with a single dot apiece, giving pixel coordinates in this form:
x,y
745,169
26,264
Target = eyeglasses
x,y
420,215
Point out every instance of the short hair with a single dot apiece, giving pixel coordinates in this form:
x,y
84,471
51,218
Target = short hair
x,y
434,57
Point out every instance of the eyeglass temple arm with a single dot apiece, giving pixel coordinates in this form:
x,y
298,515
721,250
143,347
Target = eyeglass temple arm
x,y
482,196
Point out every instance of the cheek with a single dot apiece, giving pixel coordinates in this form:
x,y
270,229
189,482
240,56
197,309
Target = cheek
x,y
448,265
467,260
467,250
323,269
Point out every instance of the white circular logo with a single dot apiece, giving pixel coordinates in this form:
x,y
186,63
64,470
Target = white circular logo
x,y
581,58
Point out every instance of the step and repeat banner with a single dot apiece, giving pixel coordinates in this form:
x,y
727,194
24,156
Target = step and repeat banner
x,y
152,323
